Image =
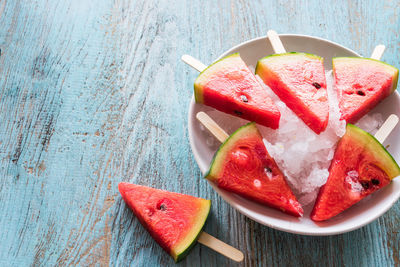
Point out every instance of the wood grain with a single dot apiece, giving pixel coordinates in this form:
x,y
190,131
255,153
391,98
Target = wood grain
x,y
93,93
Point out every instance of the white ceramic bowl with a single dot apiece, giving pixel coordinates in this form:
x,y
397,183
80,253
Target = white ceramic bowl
x,y
204,147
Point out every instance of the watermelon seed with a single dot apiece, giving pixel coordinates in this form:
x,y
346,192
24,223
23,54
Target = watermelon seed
x,y
163,207
361,93
239,113
365,185
244,98
268,172
375,182
316,85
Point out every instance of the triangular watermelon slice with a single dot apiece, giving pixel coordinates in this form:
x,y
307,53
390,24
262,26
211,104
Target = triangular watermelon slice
x,y
174,220
360,166
299,81
243,166
361,83
229,86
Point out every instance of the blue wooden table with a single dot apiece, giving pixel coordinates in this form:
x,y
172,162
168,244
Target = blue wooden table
x,y
93,93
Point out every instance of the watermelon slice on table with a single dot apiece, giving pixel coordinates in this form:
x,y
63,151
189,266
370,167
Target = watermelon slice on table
x,y
243,166
360,166
174,220
361,83
229,86
299,81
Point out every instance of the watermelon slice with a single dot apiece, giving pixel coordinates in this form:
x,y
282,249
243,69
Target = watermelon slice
x,y
360,166
299,81
361,83
229,86
243,166
173,220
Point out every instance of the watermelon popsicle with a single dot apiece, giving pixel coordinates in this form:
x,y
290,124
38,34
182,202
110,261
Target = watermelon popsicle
x,y
298,79
242,165
174,220
229,86
360,167
362,83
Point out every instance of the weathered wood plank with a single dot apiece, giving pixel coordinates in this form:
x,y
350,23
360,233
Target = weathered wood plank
x,y
93,93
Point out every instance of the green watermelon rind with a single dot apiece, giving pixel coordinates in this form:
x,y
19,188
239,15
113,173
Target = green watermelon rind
x,y
220,155
287,54
390,165
198,90
388,66
184,253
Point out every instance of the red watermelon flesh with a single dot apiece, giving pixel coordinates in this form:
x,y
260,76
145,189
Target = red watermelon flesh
x,y
299,81
360,166
243,166
174,220
229,86
361,83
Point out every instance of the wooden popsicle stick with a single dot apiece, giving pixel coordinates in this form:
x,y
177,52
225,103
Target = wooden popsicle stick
x,y
212,126
221,247
386,128
194,63
276,42
378,52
